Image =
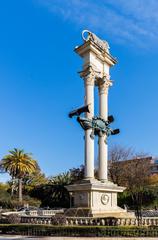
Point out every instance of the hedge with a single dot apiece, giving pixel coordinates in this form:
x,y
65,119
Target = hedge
x,y
78,231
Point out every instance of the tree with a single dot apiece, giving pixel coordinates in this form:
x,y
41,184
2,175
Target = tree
x,y
54,193
132,171
34,180
61,179
77,174
135,176
118,154
154,180
58,195
4,195
18,164
72,176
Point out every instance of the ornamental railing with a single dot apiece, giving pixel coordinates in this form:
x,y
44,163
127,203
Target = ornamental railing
x,y
81,221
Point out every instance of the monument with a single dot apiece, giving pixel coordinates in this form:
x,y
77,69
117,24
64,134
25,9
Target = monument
x,y
96,197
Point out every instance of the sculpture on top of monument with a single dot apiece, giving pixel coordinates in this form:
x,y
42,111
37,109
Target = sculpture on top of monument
x,y
92,37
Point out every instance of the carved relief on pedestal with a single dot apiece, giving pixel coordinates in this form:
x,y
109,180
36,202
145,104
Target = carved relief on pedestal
x,y
81,197
104,199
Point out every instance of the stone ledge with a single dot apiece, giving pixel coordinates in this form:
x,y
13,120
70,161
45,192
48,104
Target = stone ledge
x,y
94,184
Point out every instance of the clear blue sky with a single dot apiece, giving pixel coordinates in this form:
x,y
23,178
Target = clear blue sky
x,y
39,83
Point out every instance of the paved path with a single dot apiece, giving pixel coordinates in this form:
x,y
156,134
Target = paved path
x,y
4,237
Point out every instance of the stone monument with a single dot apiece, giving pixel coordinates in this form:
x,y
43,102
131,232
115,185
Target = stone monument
x,y
96,197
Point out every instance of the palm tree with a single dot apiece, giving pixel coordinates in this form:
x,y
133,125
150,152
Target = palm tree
x,y
61,179
18,164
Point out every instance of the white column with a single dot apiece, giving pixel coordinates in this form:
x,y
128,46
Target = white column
x,y
103,147
89,142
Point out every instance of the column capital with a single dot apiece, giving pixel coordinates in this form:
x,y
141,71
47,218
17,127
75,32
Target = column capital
x,y
104,84
88,75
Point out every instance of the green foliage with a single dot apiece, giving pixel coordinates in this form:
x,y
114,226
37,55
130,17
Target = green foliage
x,y
18,164
5,199
69,177
79,231
26,200
34,180
52,195
149,198
61,179
4,186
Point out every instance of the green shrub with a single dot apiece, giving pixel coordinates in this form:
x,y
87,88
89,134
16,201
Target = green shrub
x,y
81,231
5,199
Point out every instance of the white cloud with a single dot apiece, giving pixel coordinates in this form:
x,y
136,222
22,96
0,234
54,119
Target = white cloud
x,y
134,22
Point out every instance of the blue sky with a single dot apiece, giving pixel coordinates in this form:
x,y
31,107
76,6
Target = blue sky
x,y
39,83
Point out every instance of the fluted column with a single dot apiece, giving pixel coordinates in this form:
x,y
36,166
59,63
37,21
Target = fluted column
x,y
89,142
103,147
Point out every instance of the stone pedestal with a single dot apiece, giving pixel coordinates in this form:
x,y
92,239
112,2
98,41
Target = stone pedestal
x,y
96,199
